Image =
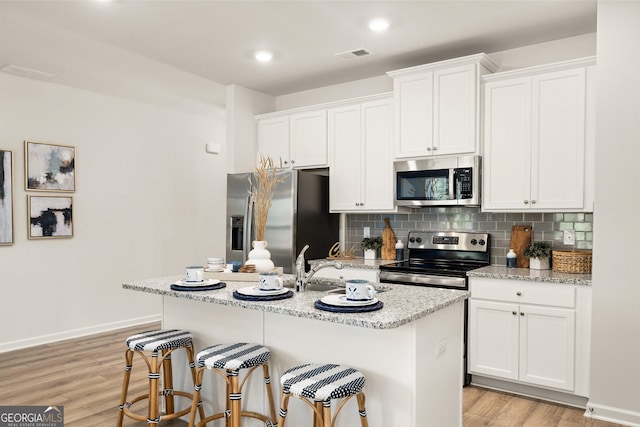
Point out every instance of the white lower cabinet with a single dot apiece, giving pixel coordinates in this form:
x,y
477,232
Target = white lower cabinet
x,y
530,333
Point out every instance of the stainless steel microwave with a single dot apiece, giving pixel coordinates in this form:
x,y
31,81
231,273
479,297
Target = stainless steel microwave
x,y
438,181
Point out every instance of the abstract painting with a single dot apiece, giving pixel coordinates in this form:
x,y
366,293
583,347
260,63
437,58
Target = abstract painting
x,y
49,167
50,217
6,197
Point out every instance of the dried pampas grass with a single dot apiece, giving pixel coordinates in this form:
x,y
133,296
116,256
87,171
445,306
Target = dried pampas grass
x,y
266,182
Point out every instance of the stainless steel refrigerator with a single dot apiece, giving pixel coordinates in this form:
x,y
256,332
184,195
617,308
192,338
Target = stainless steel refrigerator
x,y
299,216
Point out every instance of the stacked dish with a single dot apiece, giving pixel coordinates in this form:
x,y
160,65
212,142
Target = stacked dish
x,y
215,264
342,301
255,293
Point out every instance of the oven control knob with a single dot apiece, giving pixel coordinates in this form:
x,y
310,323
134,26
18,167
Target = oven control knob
x,y
419,239
474,242
412,239
482,242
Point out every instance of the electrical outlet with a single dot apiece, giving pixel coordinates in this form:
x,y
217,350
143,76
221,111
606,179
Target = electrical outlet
x,y
569,237
366,232
441,347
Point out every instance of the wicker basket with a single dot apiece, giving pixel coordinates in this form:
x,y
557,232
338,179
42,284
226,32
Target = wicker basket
x,y
571,261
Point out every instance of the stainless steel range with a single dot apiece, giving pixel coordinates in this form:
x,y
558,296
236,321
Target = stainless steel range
x,y
441,259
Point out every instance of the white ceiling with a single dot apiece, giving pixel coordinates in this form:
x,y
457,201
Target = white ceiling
x,y
215,39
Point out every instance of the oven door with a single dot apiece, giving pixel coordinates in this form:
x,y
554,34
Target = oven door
x,y
418,279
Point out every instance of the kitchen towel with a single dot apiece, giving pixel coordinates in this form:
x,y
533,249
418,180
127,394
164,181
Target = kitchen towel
x,y
343,309
176,287
286,295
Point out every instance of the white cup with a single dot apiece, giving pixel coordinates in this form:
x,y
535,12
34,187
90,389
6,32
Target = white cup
x,y
359,290
194,274
270,281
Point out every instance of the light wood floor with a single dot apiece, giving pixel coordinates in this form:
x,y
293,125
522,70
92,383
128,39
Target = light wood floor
x,y
84,375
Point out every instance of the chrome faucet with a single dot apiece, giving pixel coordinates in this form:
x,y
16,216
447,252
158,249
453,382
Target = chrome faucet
x,y
303,277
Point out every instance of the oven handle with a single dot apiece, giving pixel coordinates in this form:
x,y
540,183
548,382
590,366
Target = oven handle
x,y
423,279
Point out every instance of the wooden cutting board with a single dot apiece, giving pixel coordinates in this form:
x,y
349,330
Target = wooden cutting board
x,y
520,241
388,241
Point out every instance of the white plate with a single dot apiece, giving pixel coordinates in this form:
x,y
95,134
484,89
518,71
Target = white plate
x,y
214,270
256,291
342,301
205,282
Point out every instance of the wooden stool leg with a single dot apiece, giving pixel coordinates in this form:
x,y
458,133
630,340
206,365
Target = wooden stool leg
x,y
326,413
283,409
236,400
168,382
192,366
196,402
317,415
362,410
153,416
267,383
125,385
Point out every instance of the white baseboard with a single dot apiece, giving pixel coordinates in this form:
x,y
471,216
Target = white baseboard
x,y
76,333
612,415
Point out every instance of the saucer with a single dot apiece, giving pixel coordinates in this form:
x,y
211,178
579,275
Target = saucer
x,y
256,291
342,301
205,282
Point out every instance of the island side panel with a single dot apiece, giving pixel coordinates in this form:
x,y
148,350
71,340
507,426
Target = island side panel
x,y
213,324
408,383
439,367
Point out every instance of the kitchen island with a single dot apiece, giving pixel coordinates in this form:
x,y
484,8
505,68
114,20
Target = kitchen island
x,y
410,351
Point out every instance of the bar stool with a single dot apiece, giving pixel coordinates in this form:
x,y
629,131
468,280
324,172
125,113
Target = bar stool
x,y
316,385
227,360
161,343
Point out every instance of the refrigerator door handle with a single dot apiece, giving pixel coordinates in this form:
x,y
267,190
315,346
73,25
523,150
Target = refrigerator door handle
x,y
248,227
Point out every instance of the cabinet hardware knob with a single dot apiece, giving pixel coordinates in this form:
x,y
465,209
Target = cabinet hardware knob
x,y
521,314
526,202
286,162
428,148
293,161
533,202
341,277
519,293
514,313
435,148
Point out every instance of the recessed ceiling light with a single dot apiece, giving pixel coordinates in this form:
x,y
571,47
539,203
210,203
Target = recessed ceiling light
x,y
263,56
378,24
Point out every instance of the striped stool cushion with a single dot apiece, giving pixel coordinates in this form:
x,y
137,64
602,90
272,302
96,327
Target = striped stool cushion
x,y
164,339
233,356
322,382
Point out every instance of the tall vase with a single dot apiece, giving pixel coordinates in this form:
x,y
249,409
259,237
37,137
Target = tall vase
x,y
260,257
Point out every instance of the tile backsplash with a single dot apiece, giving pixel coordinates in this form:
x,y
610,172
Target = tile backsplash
x,y
546,226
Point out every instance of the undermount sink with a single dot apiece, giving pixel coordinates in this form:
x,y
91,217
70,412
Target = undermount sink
x,y
333,289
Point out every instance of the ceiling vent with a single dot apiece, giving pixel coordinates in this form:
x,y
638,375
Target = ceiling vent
x,y
356,53
27,72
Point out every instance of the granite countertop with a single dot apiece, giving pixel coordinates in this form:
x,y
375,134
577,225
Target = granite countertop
x,y
526,274
373,264
402,304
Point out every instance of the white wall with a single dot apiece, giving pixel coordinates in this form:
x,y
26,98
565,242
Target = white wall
x,y
527,56
615,354
149,201
243,105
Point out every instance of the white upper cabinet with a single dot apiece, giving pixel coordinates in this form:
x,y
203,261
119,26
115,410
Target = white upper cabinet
x,y
361,157
308,144
273,139
298,140
537,139
437,107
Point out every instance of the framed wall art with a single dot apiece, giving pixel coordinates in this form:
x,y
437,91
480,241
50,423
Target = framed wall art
x,y
50,217
49,167
6,197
